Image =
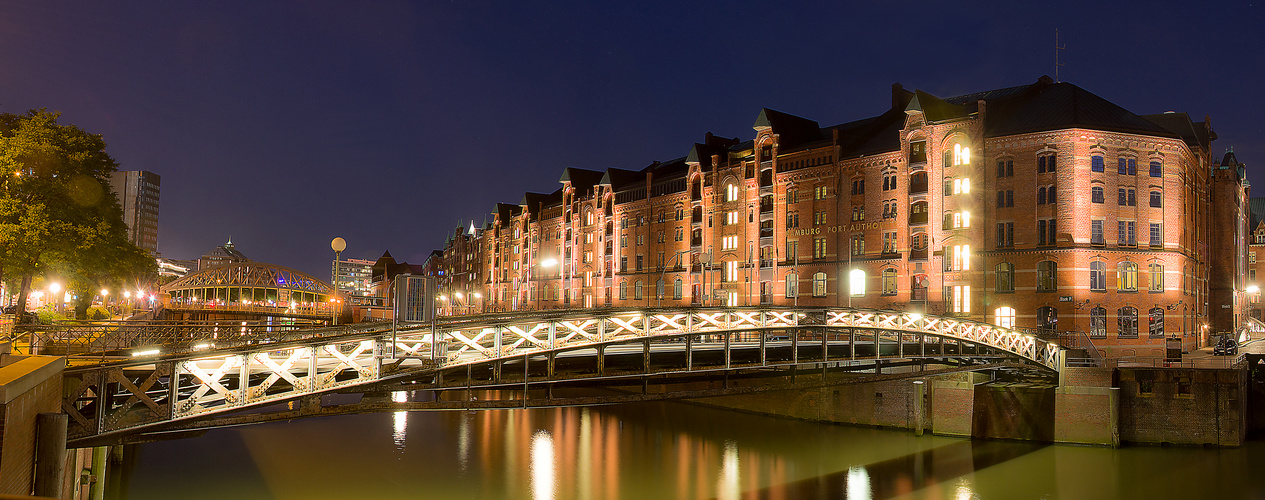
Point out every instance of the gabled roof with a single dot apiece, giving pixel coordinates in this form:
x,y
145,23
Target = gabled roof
x,y
1257,207
618,178
793,130
1194,133
581,179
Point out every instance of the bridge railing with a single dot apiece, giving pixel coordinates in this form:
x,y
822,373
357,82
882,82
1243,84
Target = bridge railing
x,y
117,337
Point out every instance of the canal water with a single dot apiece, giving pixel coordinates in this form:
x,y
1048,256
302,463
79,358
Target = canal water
x,y
655,451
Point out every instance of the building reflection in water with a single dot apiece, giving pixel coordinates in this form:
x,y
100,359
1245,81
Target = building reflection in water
x,y
729,486
543,466
399,421
463,443
858,484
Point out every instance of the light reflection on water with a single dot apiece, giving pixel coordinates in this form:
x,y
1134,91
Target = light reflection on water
x,y
659,451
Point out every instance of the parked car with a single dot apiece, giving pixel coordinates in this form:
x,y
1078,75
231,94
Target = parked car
x,y
1227,346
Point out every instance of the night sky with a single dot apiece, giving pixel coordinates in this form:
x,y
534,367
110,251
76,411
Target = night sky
x,y
285,124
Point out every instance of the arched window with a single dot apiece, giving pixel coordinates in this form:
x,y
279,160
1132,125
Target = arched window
x,y
1127,277
731,192
1098,322
1157,277
588,216
696,190
819,285
1005,277
856,282
961,155
1127,322
1047,276
1156,327
889,281
1098,276
677,289
792,285
1097,195
1005,316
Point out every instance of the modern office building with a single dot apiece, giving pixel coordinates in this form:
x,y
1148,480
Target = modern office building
x,y
137,191
1040,206
354,279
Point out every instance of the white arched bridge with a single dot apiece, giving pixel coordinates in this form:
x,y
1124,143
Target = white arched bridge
x,y
192,376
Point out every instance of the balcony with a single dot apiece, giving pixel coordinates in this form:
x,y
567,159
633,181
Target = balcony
x,y
696,241
918,254
766,263
918,187
918,218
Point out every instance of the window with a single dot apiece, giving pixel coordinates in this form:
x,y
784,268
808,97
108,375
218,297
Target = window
x,y
819,217
819,193
918,152
858,187
962,186
1098,276
1125,233
856,282
1095,232
1005,168
1156,323
1047,276
819,248
889,242
961,298
792,196
1127,322
1156,169
792,219
1096,194
1005,234
1127,277
792,250
819,285
1156,282
1045,163
1005,317
792,286
638,291
889,282
961,155
858,244
889,181
640,262
1096,164
623,264
1157,199
1046,229
1157,235
1127,166
961,258
729,243
731,192
1005,273
677,289
731,271
641,239
623,290
1098,322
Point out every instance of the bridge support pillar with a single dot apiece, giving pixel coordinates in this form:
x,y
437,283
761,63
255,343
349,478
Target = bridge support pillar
x,y
852,343
550,366
601,360
920,415
689,352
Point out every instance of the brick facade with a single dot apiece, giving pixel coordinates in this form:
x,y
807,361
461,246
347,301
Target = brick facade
x,y
800,213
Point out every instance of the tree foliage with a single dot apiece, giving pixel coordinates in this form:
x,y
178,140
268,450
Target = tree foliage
x,y
58,216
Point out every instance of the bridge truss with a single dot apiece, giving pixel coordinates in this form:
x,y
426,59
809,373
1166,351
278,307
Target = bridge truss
x,y
499,350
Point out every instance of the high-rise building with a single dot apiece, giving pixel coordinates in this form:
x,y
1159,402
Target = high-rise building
x,y
355,279
1041,206
137,191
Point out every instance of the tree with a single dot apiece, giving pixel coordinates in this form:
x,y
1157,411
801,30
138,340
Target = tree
x,y
57,212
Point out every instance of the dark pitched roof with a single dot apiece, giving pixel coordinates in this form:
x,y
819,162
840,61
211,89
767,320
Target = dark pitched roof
x,y
793,130
581,179
1195,134
505,211
618,178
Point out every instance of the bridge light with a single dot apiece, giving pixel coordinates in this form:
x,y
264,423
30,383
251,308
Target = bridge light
x,y
478,295
1252,289
145,352
457,294
549,262
443,297
203,345
127,294
915,316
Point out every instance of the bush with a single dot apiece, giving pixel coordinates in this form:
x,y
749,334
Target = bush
x,y
47,315
98,313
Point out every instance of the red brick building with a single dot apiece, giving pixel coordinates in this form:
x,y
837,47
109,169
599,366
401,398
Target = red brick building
x,y
1041,206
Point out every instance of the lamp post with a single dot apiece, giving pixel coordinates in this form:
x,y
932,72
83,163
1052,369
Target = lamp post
x,y
661,285
547,263
337,245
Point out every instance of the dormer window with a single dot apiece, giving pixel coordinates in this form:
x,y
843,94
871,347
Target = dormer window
x,y
961,155
918,152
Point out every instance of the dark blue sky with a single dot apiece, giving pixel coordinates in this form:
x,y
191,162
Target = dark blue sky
x,y
285,124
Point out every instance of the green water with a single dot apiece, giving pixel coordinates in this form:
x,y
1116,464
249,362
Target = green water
x,y
655,451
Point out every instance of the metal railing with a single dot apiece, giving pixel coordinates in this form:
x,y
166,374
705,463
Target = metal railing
x,y
106,338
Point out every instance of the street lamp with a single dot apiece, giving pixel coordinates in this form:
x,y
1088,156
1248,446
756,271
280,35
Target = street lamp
x,y
337,245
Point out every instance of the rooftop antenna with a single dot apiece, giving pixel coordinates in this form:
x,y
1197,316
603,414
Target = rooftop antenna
x,y
1057,48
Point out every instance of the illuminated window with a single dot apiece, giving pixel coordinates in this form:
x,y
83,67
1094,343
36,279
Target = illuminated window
x,y
1127,277
731,217
1005,274
819,284
961,298
961,155
1005,317
792,285
1047,276
856,282
731,192
1127,322
1098,322
731,271
819,248
729,243
889,282
1157,277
